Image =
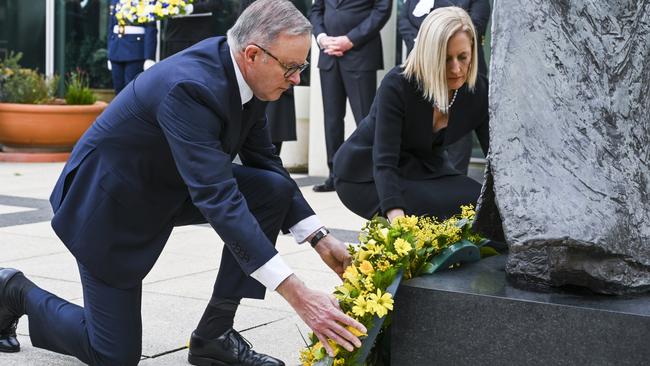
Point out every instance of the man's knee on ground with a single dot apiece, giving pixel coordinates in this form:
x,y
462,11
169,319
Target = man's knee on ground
x,y
123,355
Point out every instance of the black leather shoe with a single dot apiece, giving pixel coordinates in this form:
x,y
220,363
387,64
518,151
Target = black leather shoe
x,y
229,349
8,316
328,186
8,341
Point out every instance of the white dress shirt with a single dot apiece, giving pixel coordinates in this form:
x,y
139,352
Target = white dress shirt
x,y
272,273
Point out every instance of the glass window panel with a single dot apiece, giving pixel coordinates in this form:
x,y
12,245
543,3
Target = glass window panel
x,y
22,29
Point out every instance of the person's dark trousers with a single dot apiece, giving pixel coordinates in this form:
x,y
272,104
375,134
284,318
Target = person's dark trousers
x,y
440,197
108,329
123,72
337,84
460,153
268,196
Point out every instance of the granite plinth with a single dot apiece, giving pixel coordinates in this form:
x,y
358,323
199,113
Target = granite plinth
x,y
473,316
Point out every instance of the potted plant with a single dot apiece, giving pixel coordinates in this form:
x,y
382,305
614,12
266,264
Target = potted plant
x,y
34,124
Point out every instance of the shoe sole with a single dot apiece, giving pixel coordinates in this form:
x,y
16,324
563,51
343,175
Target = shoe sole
x,y
202,361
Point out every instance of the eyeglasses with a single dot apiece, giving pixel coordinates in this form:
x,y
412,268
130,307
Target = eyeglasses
x,y
289,70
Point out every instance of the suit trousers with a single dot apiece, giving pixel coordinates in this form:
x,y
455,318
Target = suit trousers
x,y
440,197
123,72
108,329
338,84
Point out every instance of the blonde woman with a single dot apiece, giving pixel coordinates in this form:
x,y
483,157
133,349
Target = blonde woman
x,y
395,163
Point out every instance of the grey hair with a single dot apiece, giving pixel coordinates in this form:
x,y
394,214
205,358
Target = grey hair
x,y
263,21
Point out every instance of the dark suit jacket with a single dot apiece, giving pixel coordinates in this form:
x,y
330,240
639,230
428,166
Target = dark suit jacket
x,y
130,47
361,21
185,31
408,24
396,139
166,141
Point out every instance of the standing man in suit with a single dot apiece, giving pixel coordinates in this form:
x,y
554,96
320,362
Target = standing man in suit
x,y
347,32
131,49
161,156
182,31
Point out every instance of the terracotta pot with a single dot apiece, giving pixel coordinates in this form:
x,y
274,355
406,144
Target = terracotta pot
x,y
44,128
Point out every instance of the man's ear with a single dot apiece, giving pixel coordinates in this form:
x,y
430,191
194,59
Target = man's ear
x,y
250,52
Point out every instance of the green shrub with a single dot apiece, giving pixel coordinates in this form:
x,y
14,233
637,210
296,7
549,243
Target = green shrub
x,y
77,90
19,85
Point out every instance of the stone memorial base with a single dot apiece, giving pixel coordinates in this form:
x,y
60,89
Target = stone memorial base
x,y
473,316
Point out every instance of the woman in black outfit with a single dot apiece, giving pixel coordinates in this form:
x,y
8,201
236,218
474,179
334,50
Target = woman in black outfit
x,y
395,163
410,18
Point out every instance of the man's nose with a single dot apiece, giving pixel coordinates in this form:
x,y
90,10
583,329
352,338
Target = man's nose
x,y
294,78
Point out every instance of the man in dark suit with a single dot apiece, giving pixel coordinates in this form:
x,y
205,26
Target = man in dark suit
x,y
182,31
347,32
161,156
131,49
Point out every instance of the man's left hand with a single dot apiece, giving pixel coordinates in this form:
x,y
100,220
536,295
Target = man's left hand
x,y
334,253
340,44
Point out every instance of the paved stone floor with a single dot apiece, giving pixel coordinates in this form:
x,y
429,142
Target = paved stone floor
x,y
177,289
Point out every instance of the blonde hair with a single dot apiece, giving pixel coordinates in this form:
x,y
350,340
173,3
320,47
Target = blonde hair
x,y
427,62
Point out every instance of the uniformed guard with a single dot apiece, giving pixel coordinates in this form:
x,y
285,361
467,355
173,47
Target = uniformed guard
x,y
131,49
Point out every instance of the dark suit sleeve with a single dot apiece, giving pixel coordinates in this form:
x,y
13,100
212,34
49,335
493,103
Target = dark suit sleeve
x,y
483,134
207,6
316,16
150,41
193,130
483,114
387,143
479,11
259,152
369,28
407,30
483,129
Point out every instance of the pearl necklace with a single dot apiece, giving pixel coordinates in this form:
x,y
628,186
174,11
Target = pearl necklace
x,y
453,99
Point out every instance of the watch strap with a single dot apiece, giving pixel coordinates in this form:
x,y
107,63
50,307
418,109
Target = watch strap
x,y
320,234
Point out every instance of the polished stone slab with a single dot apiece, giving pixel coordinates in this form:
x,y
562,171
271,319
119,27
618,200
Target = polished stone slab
x,y
473,316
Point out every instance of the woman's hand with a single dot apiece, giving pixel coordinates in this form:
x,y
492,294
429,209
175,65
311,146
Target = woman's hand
x,y
394,213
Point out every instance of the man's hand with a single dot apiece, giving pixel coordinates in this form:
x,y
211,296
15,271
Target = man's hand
x,y
321,313
340,44
394,213
335,46
334,253
328,44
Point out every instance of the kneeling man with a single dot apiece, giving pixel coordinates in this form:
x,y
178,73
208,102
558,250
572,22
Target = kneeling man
x,y
161,156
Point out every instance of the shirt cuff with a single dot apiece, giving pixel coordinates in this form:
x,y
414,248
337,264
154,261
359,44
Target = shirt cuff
x,y
318,37
304,228
272,273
